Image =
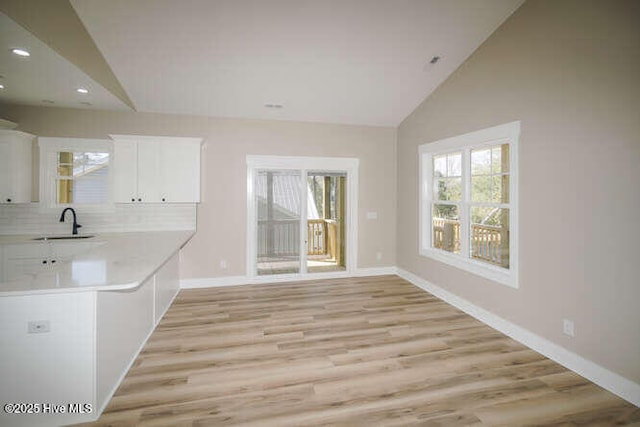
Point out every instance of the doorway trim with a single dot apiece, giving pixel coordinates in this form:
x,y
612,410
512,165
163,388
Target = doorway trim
x,y
329,164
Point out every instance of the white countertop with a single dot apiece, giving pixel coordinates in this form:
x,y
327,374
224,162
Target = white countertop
x,y
118,261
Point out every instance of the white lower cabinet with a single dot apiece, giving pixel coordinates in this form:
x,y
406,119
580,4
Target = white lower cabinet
x,y
92,339
32,258
24,258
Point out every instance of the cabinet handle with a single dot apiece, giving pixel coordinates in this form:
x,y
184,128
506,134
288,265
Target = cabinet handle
x,y
44,261
139,200
53,261
8,200
133,200
164,199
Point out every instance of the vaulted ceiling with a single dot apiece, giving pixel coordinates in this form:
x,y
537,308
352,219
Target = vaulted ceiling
x,y
341,61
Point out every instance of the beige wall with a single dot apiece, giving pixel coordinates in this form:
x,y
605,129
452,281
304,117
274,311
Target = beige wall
x,y
222,213
569,70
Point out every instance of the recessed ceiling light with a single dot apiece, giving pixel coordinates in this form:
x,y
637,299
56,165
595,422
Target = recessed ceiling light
x,y
20,52
274,106
1,86
82,90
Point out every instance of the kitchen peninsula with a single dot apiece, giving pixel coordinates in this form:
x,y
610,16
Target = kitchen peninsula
x,y
71,329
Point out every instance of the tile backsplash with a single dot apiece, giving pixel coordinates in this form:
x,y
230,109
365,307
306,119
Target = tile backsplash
x,y
31,219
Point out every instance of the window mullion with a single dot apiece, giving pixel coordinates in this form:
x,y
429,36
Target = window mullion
x,y
464,205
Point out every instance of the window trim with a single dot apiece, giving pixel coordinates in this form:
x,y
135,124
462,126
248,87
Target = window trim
x,y
49,147
501,134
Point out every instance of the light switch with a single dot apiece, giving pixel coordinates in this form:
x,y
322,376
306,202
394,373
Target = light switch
x,y
372,215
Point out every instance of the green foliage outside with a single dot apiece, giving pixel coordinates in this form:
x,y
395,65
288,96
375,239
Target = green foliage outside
x,y
486,186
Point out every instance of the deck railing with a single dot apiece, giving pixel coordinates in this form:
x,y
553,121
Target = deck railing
x,y
486,243
282,237
485,240
316,237
279,238
446,234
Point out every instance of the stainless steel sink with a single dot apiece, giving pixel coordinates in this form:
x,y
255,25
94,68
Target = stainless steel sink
x,y
73,237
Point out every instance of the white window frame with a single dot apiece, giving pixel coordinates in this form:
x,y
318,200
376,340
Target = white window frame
x,y
508,133
303,164
49,147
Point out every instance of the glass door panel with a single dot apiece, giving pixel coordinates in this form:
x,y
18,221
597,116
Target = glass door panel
x,y
278,215
326,222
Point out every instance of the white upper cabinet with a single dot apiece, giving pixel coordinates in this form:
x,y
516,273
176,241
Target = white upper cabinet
x,y
16,166
156,169
182,180
151,172
125,171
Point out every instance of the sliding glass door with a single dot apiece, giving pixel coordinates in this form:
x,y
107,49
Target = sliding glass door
x,y
278,201
301,216
326,221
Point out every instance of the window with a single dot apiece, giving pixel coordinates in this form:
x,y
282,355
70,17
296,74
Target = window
x,y
468,209
75,172
82,177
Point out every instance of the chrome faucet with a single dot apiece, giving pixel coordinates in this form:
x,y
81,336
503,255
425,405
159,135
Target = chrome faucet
x,y
75,222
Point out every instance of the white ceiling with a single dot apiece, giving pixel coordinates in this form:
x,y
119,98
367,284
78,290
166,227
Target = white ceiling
x,y
340,61
45,75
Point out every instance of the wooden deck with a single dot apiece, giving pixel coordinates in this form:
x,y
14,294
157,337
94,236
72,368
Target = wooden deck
x,y
315,264
349,352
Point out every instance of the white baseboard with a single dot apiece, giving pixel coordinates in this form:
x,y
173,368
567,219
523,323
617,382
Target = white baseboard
x,y
215,282
616,384
375,271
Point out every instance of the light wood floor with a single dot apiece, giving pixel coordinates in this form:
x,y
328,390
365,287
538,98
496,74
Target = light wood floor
x,y
351,352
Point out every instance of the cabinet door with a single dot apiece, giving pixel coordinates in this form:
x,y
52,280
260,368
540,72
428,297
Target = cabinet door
x,y
22,167
62,251
150,173
125,172
15,167
20,267
26,258
181,171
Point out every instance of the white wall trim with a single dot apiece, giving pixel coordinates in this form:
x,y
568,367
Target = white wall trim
x,y
48,172
615,383
375,271
217,282
213,282
304,164
507,133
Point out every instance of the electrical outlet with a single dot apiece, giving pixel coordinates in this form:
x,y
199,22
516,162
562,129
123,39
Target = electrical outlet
x,y
223,264
567,327
38,326
372,215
